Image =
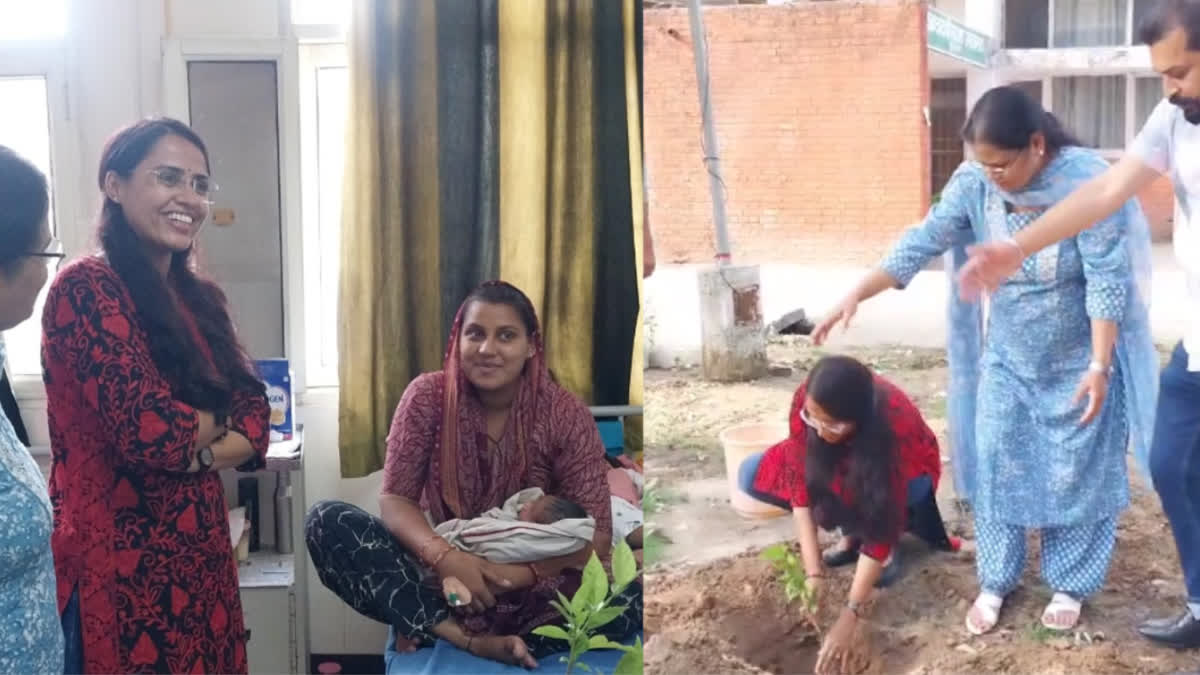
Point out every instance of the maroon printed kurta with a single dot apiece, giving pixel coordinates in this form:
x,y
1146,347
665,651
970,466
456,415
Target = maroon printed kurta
x,y
146,544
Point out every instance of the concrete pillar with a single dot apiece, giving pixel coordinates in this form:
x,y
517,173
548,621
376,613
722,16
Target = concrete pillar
x,y
987,17
733,342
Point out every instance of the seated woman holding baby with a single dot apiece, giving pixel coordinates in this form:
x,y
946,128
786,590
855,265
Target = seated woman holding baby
x,y
465,440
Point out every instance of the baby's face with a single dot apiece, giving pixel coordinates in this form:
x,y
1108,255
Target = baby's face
x,y
535,511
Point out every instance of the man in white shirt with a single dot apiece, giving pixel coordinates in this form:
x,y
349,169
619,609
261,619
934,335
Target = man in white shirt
x,y
1169,144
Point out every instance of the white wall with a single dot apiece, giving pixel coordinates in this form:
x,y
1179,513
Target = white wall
x,y
915,317
114,76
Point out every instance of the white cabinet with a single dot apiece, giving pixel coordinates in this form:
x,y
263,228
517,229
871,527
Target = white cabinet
x,y
272,584
269,605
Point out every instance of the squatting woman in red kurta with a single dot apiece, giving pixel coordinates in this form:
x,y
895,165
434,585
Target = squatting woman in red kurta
x,y
150,394
859,458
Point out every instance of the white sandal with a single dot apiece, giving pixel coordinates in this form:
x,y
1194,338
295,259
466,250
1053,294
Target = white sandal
x,y
988,605
1061,602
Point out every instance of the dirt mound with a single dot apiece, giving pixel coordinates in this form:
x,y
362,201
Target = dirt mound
x,y
730,617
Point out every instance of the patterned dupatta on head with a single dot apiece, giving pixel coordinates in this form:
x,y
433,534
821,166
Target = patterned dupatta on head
x,y
1135,352
472,477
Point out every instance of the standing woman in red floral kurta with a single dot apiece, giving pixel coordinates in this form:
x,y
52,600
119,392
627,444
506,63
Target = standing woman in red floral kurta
x,y
149,394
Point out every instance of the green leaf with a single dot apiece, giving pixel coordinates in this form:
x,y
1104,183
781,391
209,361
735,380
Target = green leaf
x,y
631,663
593,588
562,609
602,642
624,565
552,632
791,559
584,667
775,553
603,617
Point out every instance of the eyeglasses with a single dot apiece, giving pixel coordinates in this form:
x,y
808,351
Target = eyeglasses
x,y
1002,169
835,428
53,250
172,177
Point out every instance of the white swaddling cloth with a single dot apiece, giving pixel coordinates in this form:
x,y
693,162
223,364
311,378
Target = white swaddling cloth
x,y
499,535
627,516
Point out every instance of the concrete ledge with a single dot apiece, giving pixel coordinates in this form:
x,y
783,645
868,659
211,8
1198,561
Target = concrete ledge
x,y
915,317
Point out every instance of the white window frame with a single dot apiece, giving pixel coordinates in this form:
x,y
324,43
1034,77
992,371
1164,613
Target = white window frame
x,y
177,53
47,59
315,56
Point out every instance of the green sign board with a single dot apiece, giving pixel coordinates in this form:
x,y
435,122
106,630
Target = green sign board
x,y
949,37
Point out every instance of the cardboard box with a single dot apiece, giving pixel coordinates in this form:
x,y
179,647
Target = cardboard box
x,y
277,375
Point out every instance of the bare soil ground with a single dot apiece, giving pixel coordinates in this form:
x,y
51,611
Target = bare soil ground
x,y
712,606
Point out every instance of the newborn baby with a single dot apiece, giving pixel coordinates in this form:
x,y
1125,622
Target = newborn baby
x,y
549,509
531,526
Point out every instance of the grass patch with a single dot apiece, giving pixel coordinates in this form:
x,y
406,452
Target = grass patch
x,y
1041,635
653,547
656,499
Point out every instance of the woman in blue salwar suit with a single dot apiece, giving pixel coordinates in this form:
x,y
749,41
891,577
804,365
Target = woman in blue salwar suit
x,y
1045,394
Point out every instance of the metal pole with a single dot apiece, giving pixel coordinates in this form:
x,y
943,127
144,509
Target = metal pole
x,y
711,155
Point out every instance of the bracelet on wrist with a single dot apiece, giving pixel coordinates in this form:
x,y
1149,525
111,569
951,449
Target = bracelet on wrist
x,y
437,560
1098,367
424,552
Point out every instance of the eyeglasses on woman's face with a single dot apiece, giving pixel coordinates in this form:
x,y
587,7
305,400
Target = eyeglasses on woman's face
x,y
53,250
832,428
172,177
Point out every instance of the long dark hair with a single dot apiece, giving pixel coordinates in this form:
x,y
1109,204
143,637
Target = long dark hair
x,y
24,203
845,388
1008,117
172,345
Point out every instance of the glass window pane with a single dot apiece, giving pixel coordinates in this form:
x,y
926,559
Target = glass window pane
x,y
332,100
1093,108
25,128
1026,24
1140,8
1149,91
1089,23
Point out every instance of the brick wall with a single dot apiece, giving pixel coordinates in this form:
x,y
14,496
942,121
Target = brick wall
x,y
818,110
823,145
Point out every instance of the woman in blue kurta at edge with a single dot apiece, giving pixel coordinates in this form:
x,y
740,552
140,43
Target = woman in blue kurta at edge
x,y
31,635
1042,411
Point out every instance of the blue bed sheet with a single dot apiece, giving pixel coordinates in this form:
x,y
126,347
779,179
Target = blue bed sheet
x,y
446,659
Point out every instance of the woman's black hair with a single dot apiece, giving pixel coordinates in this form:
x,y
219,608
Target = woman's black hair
x,y
1008,117
172,346
845,388
24,204
507,294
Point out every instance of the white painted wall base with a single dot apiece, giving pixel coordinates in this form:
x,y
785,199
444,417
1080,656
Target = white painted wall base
x,y
913,317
